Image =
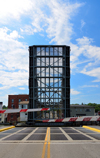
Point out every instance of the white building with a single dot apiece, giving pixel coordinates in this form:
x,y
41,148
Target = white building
x,y
3,117
23,115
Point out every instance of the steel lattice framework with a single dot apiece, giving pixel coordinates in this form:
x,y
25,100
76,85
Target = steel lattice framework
x,y
49,81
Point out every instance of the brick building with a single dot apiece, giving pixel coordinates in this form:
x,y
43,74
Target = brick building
x,y
13,102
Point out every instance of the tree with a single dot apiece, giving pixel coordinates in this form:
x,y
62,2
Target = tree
x,y
97,106
4,107
92,104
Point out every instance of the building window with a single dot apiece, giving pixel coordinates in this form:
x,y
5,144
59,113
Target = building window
x,y
19,100
11,115
76,110
80,110
17,115
25,106
87,110
0,119
0,114
25,99
12,100
26,115
22,106
13,106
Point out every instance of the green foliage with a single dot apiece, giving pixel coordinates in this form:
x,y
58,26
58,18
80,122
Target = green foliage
x,y
92,104
4,107
97,106
75,104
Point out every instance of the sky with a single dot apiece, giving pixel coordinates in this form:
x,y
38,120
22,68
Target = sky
x,y
75,23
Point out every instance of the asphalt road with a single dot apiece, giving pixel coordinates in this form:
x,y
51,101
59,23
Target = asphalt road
x,y
50,142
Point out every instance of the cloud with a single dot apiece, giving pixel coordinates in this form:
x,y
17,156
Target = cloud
x,y
22,88
52,18
4,87
59,24
82,23
94,73
84,41
5,99
28,30
87,49
74,92
86,86
14,60
91,54
14,34
12,10
90,58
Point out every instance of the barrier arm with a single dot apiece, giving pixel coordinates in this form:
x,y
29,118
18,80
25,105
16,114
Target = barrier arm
x,y
75,119
7,111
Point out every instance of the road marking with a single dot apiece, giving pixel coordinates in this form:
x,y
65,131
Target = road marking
x,y
90,128
66,135
48,151
25,138
47,141
44,146
43,152
46,135
84,134
11,134
4,129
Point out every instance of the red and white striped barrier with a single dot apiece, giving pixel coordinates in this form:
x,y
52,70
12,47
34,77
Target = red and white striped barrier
x,y
22,110
75,119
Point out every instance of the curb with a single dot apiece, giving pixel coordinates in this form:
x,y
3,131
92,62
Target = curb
x,y
90,128
4,129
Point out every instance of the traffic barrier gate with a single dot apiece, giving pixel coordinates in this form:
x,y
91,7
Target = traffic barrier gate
x,y
22,110
68,119
75,119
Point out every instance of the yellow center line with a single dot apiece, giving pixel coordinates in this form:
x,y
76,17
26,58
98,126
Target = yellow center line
x,y
43,152
44,146
48,151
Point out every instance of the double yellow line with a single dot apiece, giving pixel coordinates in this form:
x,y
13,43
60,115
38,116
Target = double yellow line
x,y
47,142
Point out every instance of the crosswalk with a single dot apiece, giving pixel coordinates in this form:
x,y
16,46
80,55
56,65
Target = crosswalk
x,y
57,134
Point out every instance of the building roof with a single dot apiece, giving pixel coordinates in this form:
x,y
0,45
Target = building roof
x,y
71,105
17,94
81,106
24,102
49,46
